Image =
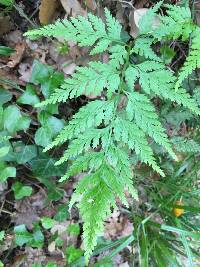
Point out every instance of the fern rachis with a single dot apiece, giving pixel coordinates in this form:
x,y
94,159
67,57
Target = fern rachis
x,y
101,135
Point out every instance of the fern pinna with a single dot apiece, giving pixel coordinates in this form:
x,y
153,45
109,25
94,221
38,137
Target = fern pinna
x,y
104,133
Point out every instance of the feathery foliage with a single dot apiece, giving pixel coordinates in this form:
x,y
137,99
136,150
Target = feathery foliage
x,y
103,133
193,60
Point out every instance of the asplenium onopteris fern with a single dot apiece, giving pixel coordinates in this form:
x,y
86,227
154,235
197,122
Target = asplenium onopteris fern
x,y
103,133
193,60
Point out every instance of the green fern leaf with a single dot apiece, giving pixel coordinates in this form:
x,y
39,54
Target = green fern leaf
x,y
177,23
118,55
160,82
85,31
130,134
91,115
142,47
93,138
140,109
87,80
193,60
185,145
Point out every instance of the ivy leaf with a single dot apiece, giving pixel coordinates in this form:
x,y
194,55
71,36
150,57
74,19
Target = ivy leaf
x,y
22,236
73,229
43,136
38,237
62,213
54,192
73,254
54,81
14,120
21,153
51,126
6,172
21,191
29,97
44,166
40,72
5,96
2,235
4,151
47,222
24,153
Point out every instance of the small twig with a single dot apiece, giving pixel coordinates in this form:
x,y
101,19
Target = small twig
x,y
7,212
22,14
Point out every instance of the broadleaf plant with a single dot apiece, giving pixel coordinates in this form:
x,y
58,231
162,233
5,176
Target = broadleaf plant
x,y
104,133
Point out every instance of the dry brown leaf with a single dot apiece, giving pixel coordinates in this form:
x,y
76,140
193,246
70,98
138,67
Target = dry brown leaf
x,y
73,7
9,76
133,28
52,247
5,24
13,38
117,226
91,4
47,11
140,3
25,70
139,13
69,69
16,57
197,8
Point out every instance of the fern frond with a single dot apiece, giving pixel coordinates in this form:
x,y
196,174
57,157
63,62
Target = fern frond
x,y
97,199
141,110
93,138
92,160
98,192
177,23
85,31
185,145
130,134
160,82
102,134
142,47
119,160
86,81
91,115
113,26
192,61
118,55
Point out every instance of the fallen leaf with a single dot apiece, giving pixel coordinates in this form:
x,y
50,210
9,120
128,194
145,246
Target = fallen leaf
x,y
91,4
25,70
13,37
73,7
139,13
16,57
30,209
133,28
52,247
125,264
47,11
5,24
117,226
69,69
140,3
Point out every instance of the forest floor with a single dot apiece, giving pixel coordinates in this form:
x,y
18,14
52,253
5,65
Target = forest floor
x,y
33,194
